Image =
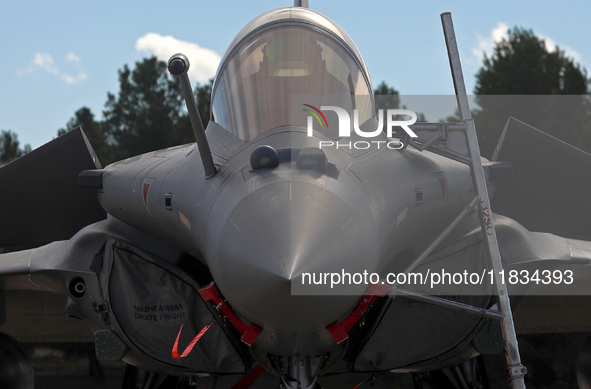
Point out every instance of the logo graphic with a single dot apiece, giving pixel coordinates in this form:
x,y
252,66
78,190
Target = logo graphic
x,y
345,127
345,121
316,116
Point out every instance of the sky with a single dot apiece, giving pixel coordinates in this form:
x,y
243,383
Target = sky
x,y
58,56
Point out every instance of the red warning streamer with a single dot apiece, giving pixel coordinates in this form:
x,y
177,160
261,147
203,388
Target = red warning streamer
x,y
175,347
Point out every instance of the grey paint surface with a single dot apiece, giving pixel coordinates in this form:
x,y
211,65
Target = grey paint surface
x,y
254,232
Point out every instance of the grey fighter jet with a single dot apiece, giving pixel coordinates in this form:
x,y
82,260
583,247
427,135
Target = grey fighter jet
x,y
201,263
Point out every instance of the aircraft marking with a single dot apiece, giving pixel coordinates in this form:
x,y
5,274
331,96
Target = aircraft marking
x,y
175,351
184,220
486,216
146,184
402,215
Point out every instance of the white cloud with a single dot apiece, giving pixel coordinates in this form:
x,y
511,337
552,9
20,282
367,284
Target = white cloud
x,y
81,76
548,43
44,61
551,46
71,57
203,61
486,45
500,32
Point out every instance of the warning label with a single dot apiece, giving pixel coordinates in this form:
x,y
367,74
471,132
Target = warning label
x,y
163,312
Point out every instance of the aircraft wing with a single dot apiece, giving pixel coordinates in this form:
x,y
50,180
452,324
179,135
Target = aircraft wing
x,y
128,288
549,192
41,203
551,186
418,325
66,260
41,200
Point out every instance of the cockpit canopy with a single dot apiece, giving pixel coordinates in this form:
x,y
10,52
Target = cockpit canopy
x,y
298,53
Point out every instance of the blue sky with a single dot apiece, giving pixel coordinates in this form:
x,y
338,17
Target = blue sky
x,y
58,56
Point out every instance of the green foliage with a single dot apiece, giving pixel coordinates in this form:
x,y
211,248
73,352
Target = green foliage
x,y
521,65
148,113
203,95
387,98
392,101
143,116
9,147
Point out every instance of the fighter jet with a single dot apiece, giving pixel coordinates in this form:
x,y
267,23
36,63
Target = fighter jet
x,y
215,263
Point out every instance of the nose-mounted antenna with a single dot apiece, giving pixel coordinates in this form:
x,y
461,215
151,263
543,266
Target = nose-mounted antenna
x,y
178,65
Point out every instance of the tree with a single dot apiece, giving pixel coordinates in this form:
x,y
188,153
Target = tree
x,y
390,99
387,97
143,116
203,96
521,66
147,114
9,149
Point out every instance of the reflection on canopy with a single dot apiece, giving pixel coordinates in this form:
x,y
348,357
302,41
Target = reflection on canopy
x,y
255,89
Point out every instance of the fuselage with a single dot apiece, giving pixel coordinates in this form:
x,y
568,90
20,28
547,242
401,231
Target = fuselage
x,y
258,230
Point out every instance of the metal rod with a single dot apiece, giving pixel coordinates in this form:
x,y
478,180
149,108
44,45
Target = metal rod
x,y
178,65
430,142
488,313
414,264
486,218
443,152
435,126
442,129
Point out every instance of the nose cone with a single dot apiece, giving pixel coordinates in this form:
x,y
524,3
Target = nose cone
x,y
273,236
